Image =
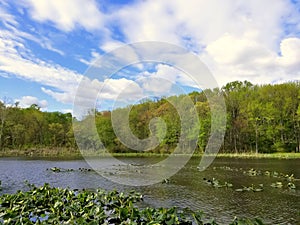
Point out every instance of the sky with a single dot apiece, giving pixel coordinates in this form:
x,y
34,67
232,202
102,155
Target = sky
x,y
47,46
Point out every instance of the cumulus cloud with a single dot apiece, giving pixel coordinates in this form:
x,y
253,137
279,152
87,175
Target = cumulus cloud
x,y
232,50
245,59
237,40
290,52
67,14
147,20
57,81
27,101
164,79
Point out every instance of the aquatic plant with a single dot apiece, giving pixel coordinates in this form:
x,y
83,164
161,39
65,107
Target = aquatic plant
x,y
165,181
216,183
254,172
251,188
58,169
49,205
278,184
291,185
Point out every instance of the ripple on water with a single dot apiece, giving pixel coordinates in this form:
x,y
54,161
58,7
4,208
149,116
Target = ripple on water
x,y
186,188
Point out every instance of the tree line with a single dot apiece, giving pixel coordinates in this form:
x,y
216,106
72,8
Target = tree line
x,y
31,128
260,118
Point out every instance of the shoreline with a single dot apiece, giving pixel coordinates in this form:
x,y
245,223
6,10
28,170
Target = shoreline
x,y
72,153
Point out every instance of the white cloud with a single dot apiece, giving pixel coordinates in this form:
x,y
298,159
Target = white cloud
x,y
147,20
7,18
165,80
233,58
157,86
94,56
27,101
61,82
67,14
11,61
290,52
231,50
121,89
111,45
201,21
15,32
236,39
241,40
16,59
67,111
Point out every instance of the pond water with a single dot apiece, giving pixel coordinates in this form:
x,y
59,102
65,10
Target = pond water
x,y
185,189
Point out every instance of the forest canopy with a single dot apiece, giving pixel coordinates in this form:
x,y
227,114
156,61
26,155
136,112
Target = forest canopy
x,y
260,118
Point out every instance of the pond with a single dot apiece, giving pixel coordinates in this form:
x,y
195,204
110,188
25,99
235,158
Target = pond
x,y
187,188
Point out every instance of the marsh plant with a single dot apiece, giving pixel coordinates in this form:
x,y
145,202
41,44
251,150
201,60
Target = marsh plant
x,y
50,205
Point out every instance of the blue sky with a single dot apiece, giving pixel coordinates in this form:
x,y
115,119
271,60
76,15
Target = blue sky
x,y
47,45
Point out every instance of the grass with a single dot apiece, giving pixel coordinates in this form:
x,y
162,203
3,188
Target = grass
x,y
281,155
41,152
75,153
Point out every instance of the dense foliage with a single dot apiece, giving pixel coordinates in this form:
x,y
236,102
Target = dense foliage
x,y
47,205
32,128
260,119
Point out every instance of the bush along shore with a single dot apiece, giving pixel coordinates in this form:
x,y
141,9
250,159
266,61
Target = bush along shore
x,y
51,205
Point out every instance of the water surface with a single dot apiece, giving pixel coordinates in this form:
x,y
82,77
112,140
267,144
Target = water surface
x,y
185,189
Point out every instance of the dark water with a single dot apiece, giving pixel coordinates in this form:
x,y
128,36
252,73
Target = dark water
x,y
186,188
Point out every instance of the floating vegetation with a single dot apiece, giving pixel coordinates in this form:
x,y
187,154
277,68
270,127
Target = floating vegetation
x,y
277,185
49,205
85,169
251,188
253,172
215,183
58,169
291,185
289,177
165,181
228,168
55,169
